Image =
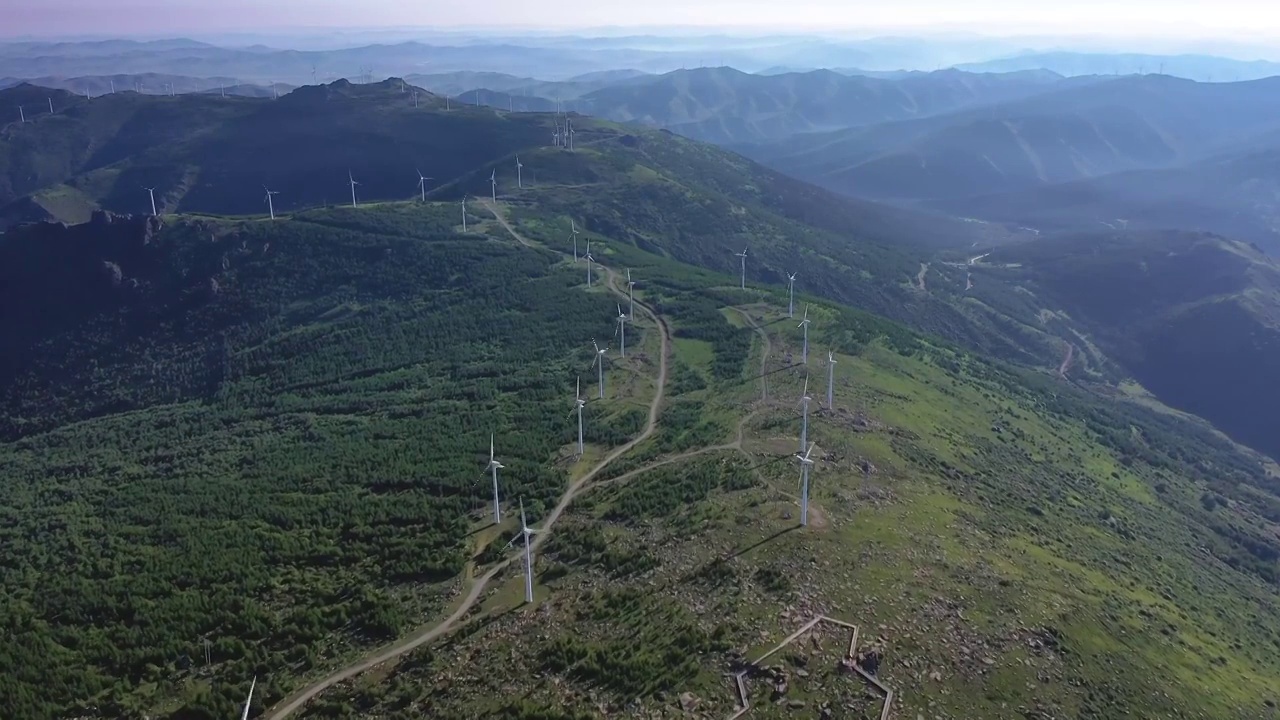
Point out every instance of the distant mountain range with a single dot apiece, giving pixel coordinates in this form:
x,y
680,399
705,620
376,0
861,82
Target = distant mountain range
x,y
1157,151
1205,68
151,84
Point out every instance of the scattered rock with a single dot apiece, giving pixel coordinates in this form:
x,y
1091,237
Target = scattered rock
x,y
688,702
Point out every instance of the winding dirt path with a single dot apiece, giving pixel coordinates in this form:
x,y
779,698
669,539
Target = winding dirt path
x,y
1066,361
294,702
924,268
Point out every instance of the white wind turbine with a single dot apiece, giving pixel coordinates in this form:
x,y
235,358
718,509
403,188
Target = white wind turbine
x,y
422,184
245,715
493,185
113,86
574,229
22,115
50,106
271,207
831,379
804,354
493,467
353,183
526,532
804,402
805,463
588,258
570,132
152,193
743,256
580,403
464,213
599,363
622,330
791,295
519,175
631,294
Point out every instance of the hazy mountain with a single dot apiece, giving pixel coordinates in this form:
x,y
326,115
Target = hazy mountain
x,y
149,83
1194,67
1234,194
1088,128
727,106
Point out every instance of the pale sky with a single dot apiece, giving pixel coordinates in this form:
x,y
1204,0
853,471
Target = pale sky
x,y
1240,19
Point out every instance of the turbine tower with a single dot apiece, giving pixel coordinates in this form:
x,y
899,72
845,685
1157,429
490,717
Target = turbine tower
x,y
245,715
271,207
493,467
791,295
574,227
113,87
804,427
422,184
464,213
50,106
622,329
805,463
580,403
353,183
631,294
588,258
519,175
152,193
493,185
831,379
526,532
22,115
599,363
804,354
743,256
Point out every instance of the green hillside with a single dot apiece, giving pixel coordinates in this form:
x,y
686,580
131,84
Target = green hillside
x,y
269,435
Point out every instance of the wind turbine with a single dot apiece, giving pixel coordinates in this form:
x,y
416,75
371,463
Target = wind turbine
x,y
493,185
831,378
570,132
353,182
804,354
574,229
743,256
245,715
422,184
22,115
804,402
152,193
493,467
631,294
791,295
519,177
588,258
599,362
275,91
525,532
579,403
464,213
271,208
50,106
805,464
113,86
622,329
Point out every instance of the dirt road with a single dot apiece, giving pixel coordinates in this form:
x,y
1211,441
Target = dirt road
x,y
292,703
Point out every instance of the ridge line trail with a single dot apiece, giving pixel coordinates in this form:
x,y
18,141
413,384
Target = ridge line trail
x,y
1066,361
295,701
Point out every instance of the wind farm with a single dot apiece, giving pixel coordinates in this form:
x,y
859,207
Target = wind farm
x,y
662,534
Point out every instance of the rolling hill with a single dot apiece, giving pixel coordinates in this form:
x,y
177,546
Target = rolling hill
x,y
1193,67
1082,131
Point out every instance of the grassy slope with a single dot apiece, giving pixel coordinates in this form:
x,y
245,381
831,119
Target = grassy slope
x,y
986,525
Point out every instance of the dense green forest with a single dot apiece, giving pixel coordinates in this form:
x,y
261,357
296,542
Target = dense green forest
x,y
281,466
